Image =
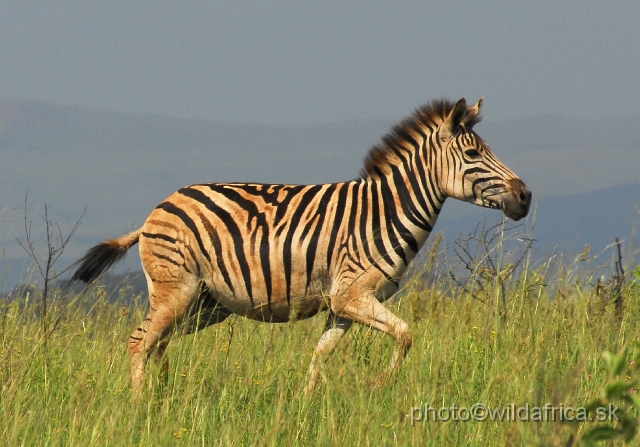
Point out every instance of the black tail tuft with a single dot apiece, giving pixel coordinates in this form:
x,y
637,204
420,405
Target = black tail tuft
x,y
97,260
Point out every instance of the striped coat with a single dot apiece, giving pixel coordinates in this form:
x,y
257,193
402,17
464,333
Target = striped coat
x,y
280,252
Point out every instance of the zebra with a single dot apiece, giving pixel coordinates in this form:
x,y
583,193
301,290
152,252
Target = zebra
x,y
282,252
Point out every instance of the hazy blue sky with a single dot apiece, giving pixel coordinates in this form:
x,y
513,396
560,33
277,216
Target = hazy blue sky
x,y
307,62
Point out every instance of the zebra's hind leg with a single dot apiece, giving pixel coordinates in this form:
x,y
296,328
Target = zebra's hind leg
x,y
168,304
162,358
206,311
334,330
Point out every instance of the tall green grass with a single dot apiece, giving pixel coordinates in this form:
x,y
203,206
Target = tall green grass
x,y
241,382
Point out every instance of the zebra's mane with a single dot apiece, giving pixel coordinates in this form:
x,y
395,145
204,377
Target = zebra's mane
x,y
401,137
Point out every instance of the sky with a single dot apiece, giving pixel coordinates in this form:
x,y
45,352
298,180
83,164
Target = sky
x,y
302,62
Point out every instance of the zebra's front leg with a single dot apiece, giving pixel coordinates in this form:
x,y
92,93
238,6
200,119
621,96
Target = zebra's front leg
x,y
335,329
369,311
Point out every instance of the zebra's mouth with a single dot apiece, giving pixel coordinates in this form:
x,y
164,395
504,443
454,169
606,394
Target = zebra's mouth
x,y
513,200
515,208
515,215
493,205
510,206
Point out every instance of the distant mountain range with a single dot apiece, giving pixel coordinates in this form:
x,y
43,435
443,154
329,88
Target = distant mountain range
x,y
584,174
568,222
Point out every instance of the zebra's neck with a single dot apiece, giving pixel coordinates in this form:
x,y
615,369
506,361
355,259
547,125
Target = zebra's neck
x,y
410,203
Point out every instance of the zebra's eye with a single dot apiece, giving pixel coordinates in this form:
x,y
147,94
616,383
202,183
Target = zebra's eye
x,y
472,153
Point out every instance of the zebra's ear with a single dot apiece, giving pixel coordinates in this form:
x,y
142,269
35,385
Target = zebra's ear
x,y
473,114
453,121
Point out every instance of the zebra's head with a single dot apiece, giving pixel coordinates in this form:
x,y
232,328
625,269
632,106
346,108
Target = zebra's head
x,y
470,172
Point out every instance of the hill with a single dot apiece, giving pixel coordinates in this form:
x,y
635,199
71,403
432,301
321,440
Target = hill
x,y
123,165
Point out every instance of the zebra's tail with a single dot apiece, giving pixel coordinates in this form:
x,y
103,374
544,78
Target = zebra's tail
x,y
99,258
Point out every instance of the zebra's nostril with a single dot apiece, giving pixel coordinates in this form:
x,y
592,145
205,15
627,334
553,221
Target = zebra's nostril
x,y
524,195
520,191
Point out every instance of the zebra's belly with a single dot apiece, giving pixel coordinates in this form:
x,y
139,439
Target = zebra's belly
x,y
279,300
278,309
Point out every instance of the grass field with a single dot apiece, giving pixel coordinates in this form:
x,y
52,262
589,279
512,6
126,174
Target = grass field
x,y
557,342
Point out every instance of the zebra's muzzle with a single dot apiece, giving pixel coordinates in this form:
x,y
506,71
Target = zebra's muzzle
x,y
516,204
